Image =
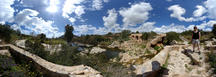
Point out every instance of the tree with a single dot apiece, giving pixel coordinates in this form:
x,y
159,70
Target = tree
x,y
125,34
214,29
68,33
42,37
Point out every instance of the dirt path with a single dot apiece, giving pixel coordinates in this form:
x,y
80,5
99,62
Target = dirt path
x,y
182,62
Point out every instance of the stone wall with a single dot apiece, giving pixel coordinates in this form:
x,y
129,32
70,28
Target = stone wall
x,y
48,68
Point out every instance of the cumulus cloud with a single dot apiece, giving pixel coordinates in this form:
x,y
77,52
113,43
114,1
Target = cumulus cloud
x,y
72,6
28,19
7,11
111,19
98,4
136,14
178,11
206,26
145,27
170,28
210,5
200,11
89,29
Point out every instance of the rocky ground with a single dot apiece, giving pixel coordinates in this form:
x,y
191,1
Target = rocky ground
x,y
182,62
178,59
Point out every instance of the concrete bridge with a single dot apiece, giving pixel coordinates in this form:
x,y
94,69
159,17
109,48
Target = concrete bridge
x,y
48,68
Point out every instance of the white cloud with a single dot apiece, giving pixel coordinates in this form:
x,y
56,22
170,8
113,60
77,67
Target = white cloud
x,y
73,7
200,11
72,20
97,4
106,1
110,20
145,27
178,11
206,26
7,11
170,28
136,14
28,19
53,6
84,29
211,6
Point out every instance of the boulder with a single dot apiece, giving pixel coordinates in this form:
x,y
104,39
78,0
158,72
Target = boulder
x,y
96,50
20,43
208,43
213,39
52,48
173,42
115,44
158,38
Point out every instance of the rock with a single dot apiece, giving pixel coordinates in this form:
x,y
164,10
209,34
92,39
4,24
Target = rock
x,y
85,51
52,48
96,50
208,43
214,39
173,42
51,69
20,43
115,44
158,39
5,52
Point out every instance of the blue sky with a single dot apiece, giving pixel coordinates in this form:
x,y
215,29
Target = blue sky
x,y
103,16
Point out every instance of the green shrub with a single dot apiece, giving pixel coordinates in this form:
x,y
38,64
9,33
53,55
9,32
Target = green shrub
x,y
148,35
10,68
214,30
212,60
157,48
170,37
36,47
7,34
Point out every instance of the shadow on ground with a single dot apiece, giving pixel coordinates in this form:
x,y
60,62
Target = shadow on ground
x,y
157,71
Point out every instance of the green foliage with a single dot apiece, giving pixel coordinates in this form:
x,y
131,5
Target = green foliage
x,y
8,68
214,30
187,33
143,46
55,41
124,35
165,65
42,37
65,56
35,47
68,33
212,60
170,37
148,35
92,39
157,48
7,34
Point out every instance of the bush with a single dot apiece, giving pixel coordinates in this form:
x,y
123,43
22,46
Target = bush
x,y
8,68
170,37
7,34
214,30
124,35
92,39
212,61
148,35
35,47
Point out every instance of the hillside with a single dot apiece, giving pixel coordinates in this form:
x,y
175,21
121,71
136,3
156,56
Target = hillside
x,y
124,54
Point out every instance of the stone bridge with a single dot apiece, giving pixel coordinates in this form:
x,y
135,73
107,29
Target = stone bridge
x,y
48,68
